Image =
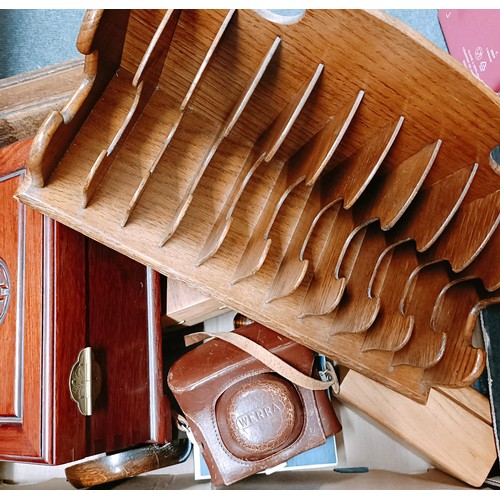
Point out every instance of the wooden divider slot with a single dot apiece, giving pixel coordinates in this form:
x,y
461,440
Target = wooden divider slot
x,y
432,210
455,313
391,330
391,194
389,197
263,151
410,228
386,200
425,346
221,134
342,320
466,226
145,81
356,305
345,182
467,234
171,132
306,165
206,60
486,266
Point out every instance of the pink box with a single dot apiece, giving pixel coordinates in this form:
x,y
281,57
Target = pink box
x,y
473,38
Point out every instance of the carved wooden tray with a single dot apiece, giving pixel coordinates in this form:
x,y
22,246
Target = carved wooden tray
x,y
330,179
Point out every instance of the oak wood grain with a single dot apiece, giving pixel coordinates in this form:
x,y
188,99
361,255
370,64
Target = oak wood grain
x,y
457,322
425,346
446,433
391,330
263,150
408,79
342,185
306,165
486,265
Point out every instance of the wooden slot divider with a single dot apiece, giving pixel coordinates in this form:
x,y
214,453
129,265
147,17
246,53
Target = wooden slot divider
x,y
206,60
221,134
187,99
391,330
345,182
386,200
437,204
486,266
355,304
390,197
263,151
425,346
306,165
391,194
145,81
102,60
455,313
475,231
340,319
432,209
467,234
370,268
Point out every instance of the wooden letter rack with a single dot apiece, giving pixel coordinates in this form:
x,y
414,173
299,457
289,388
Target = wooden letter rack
x,y
329,178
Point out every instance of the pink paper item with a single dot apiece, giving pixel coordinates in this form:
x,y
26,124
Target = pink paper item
x,y
473,38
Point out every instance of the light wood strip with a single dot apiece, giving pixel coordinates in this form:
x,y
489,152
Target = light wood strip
x,y
446,433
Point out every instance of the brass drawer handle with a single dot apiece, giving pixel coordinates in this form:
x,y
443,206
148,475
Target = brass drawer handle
x,y
85,381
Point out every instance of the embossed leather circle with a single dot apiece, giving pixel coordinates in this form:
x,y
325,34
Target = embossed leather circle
x,y
259,416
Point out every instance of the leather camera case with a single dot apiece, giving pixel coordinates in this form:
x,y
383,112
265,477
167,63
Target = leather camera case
x,y
245,417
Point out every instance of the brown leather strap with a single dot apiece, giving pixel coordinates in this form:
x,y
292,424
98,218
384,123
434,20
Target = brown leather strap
x,y
274,362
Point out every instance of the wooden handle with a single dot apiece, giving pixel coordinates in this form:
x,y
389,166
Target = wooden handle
x,y
128,463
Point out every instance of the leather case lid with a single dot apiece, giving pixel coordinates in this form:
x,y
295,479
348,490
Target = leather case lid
x,y
210,360
259,417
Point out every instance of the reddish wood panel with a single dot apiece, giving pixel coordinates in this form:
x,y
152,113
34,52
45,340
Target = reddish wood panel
x,y
11,261
20,334
14,157
73,293
118,326
65,329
